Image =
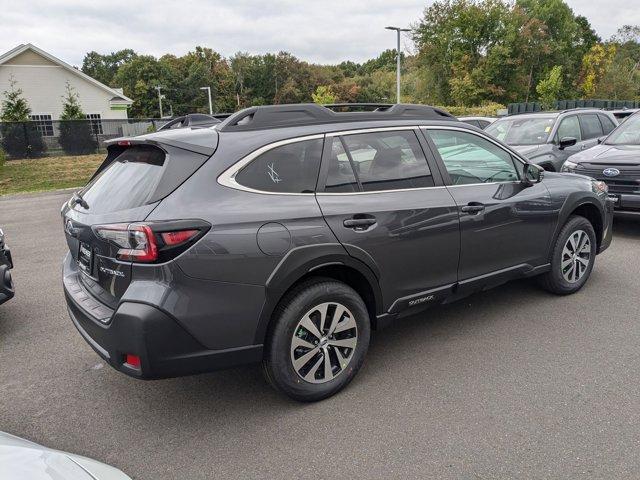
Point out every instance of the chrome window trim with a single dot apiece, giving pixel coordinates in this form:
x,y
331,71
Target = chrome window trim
x,y
228,177
371,130
486,137
377,192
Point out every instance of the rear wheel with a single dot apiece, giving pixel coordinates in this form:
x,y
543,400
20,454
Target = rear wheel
x,y
574,254
318,340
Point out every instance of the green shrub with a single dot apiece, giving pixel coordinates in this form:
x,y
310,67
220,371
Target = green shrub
x,y
22,140
76,137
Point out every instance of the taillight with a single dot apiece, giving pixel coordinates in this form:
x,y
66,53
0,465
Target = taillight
x,y
154,241
176,238
137,241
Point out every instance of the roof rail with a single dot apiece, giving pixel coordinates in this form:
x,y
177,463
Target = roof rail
x,y
293,115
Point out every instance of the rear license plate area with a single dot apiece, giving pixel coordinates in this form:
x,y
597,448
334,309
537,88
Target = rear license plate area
x,y
85,258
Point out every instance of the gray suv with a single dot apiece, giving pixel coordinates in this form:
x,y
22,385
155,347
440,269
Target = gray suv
x,y
549,138
285,234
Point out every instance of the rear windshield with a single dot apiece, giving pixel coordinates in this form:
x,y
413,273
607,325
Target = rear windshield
x,y
128,182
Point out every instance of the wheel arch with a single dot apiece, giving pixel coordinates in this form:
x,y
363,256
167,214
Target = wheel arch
x,y
326,261
586,207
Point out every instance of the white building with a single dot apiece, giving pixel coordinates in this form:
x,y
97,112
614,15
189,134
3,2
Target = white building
x,y
42,79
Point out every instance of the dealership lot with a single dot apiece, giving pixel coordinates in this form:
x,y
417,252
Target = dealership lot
x,y
510,383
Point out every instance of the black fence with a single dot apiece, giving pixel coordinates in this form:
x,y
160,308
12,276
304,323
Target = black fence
x,y
40,138
524,107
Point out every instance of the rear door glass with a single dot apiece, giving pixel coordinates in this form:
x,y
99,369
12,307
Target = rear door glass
x,y
591,127
390,160
128,182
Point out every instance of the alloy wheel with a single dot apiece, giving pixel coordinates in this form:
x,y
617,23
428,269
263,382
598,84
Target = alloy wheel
x,y
324,342
576,256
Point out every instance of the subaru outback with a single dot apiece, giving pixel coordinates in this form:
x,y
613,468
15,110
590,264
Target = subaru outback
x,y
285,234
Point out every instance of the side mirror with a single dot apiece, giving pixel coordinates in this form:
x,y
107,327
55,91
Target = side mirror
x,y
601,139
567,142
532,174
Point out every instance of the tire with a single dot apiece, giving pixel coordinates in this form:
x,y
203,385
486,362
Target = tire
x,y
560,279
297,366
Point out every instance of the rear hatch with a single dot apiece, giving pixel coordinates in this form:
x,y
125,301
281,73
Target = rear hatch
x,y
102,222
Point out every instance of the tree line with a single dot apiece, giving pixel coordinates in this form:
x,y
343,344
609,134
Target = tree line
x,y
466,53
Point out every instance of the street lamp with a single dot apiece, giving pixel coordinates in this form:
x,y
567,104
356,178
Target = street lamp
x,y
160,97
398,30
208,89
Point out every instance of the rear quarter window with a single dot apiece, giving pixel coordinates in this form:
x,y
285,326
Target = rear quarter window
x,y
290,168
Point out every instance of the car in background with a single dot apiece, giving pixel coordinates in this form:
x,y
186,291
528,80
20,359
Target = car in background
x,y
6,264
288,232
480,122
615,161
191,120
549,138
25,460
623,113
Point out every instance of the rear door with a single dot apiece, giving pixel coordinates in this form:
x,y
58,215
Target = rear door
x,y
124,192
503,223
386,204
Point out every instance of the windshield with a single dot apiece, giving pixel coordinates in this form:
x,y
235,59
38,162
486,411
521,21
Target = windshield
x,y
522,130
628,133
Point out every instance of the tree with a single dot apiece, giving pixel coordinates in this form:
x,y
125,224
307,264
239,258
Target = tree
x,y
323,95
76,137
20,136
550,87
595,64
104,67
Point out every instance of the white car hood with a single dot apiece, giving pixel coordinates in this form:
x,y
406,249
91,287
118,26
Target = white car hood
x,y
25,460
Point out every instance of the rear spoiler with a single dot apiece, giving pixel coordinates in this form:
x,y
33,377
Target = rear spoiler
x,y
116,146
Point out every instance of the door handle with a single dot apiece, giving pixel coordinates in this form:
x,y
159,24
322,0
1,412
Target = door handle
x,y
473,207
359,223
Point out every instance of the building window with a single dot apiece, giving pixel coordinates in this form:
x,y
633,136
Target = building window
x,y
96,123
44,124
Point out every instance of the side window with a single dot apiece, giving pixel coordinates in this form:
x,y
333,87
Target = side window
x,y
607,124
379,161
483,124
591,127
291,168
340,176
471,159
569,127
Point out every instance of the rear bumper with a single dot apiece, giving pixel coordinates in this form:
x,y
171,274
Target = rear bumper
x,y
165,348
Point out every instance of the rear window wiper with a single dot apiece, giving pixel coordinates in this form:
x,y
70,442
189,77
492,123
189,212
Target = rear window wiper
x,y
77,199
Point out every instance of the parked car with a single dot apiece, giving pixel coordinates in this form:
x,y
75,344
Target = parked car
x,y
25,460
549,138
6,264
480,122
616,161
623,113
286,233
190,120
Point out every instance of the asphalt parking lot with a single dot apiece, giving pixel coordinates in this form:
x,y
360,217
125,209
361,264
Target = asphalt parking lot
x,y
513,383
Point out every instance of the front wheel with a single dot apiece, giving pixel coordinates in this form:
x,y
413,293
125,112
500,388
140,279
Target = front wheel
x,y
318,340
574,254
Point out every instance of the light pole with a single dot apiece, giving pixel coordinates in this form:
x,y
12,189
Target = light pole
x,y
208,89
398,30
160,97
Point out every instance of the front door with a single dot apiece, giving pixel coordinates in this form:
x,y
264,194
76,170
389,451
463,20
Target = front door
x,y
388,207
504,224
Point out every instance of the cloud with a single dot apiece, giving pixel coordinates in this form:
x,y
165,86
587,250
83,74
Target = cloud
x,y
321,32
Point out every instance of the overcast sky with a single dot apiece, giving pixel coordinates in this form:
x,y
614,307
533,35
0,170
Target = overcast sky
x,y
326,31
